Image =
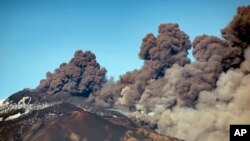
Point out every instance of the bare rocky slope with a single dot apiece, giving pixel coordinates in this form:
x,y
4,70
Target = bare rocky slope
x,y
63,121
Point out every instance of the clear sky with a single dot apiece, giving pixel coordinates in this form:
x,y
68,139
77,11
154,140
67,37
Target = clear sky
x,y
36,36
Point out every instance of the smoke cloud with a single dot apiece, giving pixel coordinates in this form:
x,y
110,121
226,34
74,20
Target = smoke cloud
x,y
237,32
81,76
192,101
213,113
213,56
159,53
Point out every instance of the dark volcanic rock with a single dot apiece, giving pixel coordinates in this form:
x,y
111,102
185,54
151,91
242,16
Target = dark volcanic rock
x,y
75,125
33,96
16,123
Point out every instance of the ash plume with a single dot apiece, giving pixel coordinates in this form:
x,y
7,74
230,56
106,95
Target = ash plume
x,y
81,76
159,53
238,30
213,56
168,48
214,112
172,95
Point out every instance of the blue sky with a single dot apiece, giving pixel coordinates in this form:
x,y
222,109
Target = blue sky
x,y
36,36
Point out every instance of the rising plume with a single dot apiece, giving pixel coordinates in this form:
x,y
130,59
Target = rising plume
x,y
81,76
172,95
159,53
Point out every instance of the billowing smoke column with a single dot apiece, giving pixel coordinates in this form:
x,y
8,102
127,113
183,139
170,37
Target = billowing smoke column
x,y
193,101
159,53
81,76
213,56
168,48
237,32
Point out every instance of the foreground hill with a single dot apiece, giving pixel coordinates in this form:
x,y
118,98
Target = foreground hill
x,y
63,121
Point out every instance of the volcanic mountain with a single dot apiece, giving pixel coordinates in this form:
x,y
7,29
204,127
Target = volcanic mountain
x,y
64,121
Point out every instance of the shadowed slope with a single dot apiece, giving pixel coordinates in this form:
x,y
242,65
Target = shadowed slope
x,y
66,122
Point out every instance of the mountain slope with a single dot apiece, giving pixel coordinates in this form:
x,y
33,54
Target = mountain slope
x,y
67,122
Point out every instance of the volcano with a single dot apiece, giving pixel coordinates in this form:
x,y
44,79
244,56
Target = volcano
x,y
23,119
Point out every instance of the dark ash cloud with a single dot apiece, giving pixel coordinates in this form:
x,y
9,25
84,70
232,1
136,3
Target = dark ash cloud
x,y
81,76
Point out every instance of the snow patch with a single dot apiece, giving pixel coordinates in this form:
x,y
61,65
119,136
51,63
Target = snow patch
x,y
13,116
3,102
28,107
22,101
